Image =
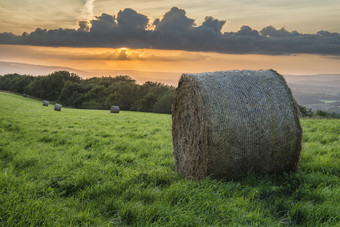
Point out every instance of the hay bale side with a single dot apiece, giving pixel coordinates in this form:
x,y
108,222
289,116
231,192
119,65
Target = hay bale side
x,y
57,107
45,103
114,109
225,124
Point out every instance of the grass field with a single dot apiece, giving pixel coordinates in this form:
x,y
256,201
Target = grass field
x,y
92,168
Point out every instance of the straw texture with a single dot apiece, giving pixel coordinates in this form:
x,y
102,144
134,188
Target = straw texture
x,y
226,124
114,109
45,103
57,107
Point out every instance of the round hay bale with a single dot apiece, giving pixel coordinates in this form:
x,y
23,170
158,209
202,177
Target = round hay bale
x,y
226,124
114,109
57,107
45,103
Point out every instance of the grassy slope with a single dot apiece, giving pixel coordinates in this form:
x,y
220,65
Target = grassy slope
x,y
89,167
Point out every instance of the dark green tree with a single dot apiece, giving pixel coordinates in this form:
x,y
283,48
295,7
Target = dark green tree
x,y
163,104
95,93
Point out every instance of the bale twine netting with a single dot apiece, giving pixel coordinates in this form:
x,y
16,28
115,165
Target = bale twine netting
x,y
57,107
114,109
45,103
227,124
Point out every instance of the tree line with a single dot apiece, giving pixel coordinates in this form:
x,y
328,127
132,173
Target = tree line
x,y
103,92
93,93
309,113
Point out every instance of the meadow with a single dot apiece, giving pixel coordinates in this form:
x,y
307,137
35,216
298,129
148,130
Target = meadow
x,y
92,168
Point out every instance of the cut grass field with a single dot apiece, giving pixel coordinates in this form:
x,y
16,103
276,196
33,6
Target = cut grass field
x,y
90,167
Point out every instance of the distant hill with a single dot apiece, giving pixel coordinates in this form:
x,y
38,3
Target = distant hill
x,y
35,70
140,76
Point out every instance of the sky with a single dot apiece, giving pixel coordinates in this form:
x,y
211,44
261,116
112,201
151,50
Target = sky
x,y
166,38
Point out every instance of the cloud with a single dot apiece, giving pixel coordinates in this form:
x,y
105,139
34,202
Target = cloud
x,y
103,24
87,12
214,24
176,31
131,20
84,26
174,21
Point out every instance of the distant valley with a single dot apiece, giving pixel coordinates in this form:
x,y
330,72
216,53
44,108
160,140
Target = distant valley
x,y
318,92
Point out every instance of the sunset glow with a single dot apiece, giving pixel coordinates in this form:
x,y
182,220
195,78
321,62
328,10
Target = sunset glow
x,y
159,40
107,61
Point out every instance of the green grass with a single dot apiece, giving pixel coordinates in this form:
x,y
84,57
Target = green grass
x,y
93,168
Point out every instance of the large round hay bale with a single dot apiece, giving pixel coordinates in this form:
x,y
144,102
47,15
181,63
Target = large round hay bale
x,y
57,107
45,103
226,124
114,109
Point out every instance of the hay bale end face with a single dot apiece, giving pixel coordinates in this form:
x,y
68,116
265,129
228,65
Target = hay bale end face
x,y
45,103
226,124
57,107
114,109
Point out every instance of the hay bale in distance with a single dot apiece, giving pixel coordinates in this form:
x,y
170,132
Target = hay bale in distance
x,y
225,124
114,109
57,107
45,103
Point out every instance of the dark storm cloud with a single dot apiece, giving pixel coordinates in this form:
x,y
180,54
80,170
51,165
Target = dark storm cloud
x,y
175,21
176,31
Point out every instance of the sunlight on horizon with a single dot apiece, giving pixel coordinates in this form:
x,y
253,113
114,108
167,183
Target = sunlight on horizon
x,y
106,61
